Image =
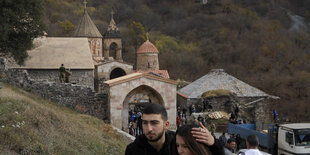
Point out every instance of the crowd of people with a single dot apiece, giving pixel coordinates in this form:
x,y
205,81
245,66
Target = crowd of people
x,y
189,139
232,144
158,140
153,136
135,121
182,119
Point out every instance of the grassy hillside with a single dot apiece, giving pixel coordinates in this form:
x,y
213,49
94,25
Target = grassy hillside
x,y
31,125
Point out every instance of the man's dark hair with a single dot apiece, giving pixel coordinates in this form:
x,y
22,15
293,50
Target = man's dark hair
x,y
156,109
252,140
230,140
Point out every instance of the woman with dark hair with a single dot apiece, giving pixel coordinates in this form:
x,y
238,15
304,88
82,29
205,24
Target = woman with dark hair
x,y
186,144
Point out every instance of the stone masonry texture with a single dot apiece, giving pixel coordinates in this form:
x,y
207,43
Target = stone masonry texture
x,y
80,98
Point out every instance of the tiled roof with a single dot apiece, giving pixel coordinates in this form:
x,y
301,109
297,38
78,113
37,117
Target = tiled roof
x,y
218,79
182,95
74,53
162,73
147,47
134,76
87,28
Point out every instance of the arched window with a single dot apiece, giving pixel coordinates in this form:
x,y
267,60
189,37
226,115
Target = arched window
x,y
112,50
117,72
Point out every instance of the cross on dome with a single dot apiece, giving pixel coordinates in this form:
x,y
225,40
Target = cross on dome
x,y
147,36
85,5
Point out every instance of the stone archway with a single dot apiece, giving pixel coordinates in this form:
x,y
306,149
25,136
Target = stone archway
x,y
121,91
141,95
117,72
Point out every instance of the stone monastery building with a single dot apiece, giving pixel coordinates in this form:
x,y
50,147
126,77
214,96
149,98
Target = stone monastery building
x,y
96,61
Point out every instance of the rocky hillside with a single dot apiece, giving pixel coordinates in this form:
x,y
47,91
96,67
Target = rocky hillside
x,y
31,125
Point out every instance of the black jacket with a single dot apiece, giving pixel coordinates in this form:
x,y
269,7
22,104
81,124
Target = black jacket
x,y
141,146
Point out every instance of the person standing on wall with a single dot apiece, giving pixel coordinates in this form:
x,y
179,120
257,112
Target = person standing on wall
x,y
275,115
62,73
68,73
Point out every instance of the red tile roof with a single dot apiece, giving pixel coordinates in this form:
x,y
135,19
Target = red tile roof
x,y
147,47
185,96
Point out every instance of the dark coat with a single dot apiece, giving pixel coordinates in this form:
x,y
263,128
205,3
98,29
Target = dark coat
x,y
141,146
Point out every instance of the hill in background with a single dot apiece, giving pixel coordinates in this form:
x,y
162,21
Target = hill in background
x,y
264,43
31,125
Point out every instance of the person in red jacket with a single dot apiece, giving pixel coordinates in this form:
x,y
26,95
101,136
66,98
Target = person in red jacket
x,y
178,121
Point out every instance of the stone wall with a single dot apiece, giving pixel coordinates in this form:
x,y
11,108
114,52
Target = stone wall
x,y
263,115
78,76
260,110
81,98
147,61
226,103
260,107
3,67
95,45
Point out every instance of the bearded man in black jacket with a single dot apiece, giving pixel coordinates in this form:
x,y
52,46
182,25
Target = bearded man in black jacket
x,y
158,140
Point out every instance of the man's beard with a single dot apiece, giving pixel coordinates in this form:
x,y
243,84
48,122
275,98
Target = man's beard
x,y
156,138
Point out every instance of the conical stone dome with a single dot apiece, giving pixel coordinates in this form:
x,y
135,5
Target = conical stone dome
x,y
147,47
86,27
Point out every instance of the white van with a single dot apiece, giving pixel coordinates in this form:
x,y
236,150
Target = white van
x,y
242,152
